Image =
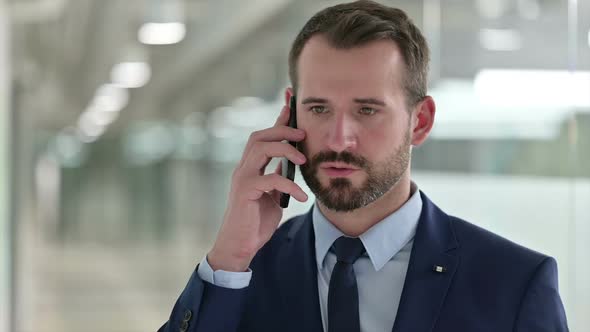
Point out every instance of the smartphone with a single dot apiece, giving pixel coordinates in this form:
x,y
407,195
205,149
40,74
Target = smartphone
x,y
288,167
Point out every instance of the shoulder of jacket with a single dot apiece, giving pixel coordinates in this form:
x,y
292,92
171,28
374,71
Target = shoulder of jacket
x,y
478,241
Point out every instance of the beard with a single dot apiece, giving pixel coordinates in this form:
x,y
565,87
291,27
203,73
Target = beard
x,y
340,194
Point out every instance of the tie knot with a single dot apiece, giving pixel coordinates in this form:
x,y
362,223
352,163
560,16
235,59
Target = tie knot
x,y
348,249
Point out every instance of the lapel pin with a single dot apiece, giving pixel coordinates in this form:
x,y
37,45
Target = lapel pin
x,y
439,269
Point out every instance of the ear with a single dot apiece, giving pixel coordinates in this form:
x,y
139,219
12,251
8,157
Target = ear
x,y
288,94
422,120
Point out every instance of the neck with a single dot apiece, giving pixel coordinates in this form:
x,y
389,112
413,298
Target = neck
x,y
356,222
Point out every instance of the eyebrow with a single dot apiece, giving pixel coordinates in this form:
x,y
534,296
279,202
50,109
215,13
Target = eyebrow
x,y
370,101
312,100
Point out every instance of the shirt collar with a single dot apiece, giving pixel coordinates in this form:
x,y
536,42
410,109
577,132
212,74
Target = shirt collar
x,y
382,241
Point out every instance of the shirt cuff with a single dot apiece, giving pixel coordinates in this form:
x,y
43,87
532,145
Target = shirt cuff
x,y
221,278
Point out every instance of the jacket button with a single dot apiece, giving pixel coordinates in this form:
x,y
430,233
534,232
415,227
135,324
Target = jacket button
x,y
187,315
184,326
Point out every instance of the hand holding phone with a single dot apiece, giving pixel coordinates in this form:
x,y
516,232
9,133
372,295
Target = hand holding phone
x,y
255,205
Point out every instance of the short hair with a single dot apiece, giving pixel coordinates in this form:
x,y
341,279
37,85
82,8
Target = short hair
x,y
357,23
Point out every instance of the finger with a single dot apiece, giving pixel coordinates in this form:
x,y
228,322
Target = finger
x,y
263,152
278,133
276,182
272,134
283,118
276,195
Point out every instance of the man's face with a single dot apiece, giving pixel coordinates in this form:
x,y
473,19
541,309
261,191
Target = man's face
x,y
352,106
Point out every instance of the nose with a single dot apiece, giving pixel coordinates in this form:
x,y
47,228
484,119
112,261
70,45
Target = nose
x,y
342,133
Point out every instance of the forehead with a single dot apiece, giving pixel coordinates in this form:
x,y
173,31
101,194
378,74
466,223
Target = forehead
x,y
374,67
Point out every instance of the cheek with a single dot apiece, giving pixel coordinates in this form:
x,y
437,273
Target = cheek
x,y
377,133
310,145
378,144
313,137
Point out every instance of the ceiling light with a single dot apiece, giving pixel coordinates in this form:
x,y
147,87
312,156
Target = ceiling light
x,y
110,98
101,118
89,131
131,74
161,33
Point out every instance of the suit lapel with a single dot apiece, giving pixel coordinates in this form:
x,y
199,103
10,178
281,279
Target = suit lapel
x,y
299,289
424,288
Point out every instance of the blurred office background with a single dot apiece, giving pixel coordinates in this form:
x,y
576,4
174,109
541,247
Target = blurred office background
x,y
121,122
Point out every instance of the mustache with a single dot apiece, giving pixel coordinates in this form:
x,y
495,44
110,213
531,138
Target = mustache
x,y
344,156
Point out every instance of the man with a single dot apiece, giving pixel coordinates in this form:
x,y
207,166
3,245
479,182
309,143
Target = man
x,y
374,253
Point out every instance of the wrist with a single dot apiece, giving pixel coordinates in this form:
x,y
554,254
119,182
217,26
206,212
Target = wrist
x,y
225,262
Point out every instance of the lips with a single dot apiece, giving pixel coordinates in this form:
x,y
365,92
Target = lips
x,y
336,165
337,169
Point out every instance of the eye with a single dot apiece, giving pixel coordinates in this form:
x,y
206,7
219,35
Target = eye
x,y
368,111
318,109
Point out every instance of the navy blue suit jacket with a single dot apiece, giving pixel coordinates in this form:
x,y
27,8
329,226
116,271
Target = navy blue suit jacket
x,y
490,284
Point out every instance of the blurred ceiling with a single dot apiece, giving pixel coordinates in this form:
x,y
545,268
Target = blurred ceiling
x,y
63,50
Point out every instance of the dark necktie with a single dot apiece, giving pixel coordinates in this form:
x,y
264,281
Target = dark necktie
x,y
343,298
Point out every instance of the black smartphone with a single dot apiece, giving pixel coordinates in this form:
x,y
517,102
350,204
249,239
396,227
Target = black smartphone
x,y
288,167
